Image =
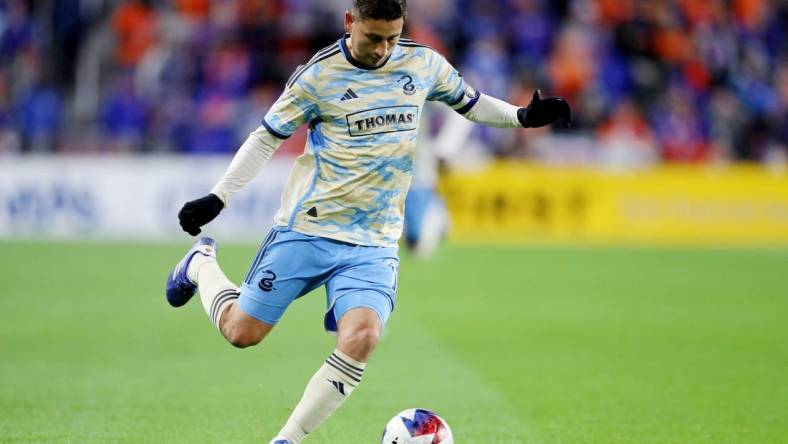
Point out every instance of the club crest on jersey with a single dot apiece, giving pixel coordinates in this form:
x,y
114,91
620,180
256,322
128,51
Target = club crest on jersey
x,y
387,119
407,85
470,92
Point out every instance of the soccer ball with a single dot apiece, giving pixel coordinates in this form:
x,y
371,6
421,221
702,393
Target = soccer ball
x,y
417,426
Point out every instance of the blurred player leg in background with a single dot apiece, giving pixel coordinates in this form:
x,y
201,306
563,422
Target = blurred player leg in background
x,y
426,217
426,221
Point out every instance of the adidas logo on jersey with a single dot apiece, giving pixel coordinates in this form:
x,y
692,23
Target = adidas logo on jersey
x,y
349,95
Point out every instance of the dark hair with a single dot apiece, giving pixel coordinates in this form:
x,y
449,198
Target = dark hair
x,y
380,9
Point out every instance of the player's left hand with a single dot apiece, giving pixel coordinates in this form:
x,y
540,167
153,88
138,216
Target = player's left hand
x,y
541,112
199,212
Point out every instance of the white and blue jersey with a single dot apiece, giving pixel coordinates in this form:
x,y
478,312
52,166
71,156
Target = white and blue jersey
x,y
351,181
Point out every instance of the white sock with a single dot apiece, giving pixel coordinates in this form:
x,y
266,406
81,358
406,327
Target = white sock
x,y
216,291
334,381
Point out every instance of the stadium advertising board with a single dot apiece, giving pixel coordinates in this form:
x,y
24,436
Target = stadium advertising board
x,y
126,198
515,202
138,198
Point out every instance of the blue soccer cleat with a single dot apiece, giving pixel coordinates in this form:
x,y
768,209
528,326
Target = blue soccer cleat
x,y
179,287
279,440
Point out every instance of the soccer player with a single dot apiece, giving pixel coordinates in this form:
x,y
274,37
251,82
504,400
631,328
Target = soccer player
x,y
342,209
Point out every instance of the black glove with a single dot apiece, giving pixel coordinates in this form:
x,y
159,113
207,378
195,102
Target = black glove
x,y
541,112
199,212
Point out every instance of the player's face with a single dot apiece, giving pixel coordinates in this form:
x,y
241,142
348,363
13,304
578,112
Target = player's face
x,y
372,41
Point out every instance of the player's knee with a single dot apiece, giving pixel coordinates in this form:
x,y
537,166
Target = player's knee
x,y
241,330
362,339
242,339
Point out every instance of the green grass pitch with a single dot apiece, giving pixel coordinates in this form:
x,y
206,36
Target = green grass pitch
x,y
510,345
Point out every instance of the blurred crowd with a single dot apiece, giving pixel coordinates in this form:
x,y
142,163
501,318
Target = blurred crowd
x,y
649,80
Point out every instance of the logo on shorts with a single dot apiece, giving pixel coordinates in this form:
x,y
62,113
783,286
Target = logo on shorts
x,y
267,282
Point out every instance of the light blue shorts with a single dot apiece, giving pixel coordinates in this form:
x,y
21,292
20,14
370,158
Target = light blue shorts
x,y
290,265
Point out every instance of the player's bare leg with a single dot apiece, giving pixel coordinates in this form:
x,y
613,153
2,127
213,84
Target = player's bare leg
x,y
358,334
240,329
199,270
219,295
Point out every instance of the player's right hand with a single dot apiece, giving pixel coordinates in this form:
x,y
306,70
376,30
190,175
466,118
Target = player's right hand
x,y
199,212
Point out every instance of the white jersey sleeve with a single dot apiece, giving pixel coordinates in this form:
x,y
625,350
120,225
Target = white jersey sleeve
x,y
450,87
247,162
293,108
